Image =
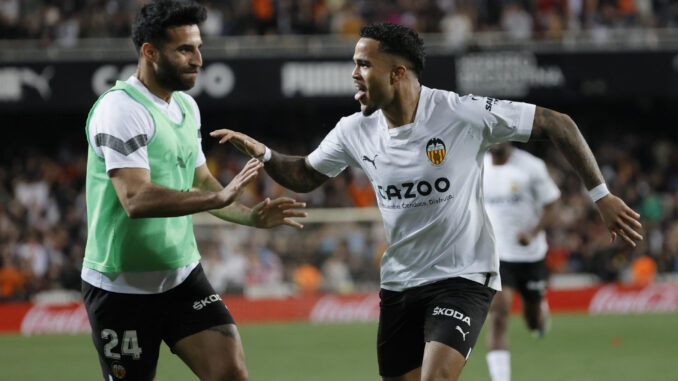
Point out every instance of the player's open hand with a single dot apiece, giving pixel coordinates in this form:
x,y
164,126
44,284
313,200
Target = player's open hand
x,y
270,213
235,188
620,219
242,142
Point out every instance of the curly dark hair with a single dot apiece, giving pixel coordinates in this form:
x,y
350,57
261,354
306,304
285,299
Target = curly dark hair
x,y
153,19
398,40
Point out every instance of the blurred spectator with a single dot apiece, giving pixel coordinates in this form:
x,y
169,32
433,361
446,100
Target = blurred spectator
x,y
458,25
307,278
336,272
65,22
516,22
643,270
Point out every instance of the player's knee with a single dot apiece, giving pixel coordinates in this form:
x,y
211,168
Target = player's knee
x,y
442,373
499,321
234,373
231,372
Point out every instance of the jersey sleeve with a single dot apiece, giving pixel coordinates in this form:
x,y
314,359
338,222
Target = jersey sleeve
x,y
196,111
499,120
545,189
331,156
119,131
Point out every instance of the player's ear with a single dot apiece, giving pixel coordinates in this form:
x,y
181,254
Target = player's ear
x,y
397,73
149,52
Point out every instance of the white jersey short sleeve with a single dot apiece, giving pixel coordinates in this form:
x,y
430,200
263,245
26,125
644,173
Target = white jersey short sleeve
x,y
331,157
515,194
427,176
120,127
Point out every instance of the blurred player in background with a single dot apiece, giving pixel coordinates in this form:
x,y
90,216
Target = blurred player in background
x,y
146,174
520,199
423,151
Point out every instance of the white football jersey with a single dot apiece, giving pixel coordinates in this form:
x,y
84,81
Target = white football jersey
x,y
427,176
515,194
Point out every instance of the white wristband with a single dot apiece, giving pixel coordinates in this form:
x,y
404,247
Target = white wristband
x,y
267,155
598,192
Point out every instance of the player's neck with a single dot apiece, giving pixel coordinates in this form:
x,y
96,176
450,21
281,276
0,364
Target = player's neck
x,y
501,159
147,77
403,109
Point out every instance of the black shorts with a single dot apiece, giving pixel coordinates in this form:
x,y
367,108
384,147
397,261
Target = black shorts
x,y
529,278
127,328
451,312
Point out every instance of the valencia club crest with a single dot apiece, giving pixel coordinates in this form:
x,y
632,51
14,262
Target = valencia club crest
x,y
435,151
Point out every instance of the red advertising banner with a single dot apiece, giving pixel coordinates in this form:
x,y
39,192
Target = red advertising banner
x,y
33,319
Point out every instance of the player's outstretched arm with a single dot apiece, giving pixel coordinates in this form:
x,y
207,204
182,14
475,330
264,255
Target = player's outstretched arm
x,y
564,133
547,217
292,172
266,214
143,199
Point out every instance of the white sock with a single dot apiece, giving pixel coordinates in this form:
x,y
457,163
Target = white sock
x,y
499,364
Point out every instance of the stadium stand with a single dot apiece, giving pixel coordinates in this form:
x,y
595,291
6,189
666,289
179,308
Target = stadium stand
x,y
42,212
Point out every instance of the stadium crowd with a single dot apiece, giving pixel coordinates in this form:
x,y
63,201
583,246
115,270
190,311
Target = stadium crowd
x,y
43,224
66,21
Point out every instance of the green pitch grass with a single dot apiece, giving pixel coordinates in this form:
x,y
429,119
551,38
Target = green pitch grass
x,y
579,347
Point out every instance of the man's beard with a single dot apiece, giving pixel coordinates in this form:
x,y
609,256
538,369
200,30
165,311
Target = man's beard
x,y
369,110
169,77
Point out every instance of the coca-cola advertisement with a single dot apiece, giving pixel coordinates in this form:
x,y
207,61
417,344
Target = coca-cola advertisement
x,y
42,319
35,319
652,298
333,309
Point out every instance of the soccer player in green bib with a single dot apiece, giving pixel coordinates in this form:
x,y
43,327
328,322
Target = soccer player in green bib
x,y
146,175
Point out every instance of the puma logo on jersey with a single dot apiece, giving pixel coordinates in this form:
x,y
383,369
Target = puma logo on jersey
x,y
452,313
367,159
463,334
200,304
181,162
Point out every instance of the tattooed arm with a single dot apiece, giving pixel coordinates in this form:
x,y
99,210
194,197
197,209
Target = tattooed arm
x,y
292,172
564,133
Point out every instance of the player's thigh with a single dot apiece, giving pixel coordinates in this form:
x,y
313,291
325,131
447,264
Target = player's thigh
x,y
501,303
455,315
214,354
200,329
413,375
125,332
400,337
498,319
441,363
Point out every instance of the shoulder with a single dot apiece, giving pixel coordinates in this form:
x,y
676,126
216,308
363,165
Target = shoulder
x,y
119,105
119,114
464,107
357,121
528,161
527,157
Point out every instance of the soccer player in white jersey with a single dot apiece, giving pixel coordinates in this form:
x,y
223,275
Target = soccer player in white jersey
x,y
146,174
423,151
520,199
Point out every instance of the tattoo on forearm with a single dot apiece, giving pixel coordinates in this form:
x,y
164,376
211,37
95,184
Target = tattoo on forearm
x,y
225,330
565,135
292,173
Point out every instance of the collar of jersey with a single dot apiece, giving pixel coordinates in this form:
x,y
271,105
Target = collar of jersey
x,y
159,103
403,132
